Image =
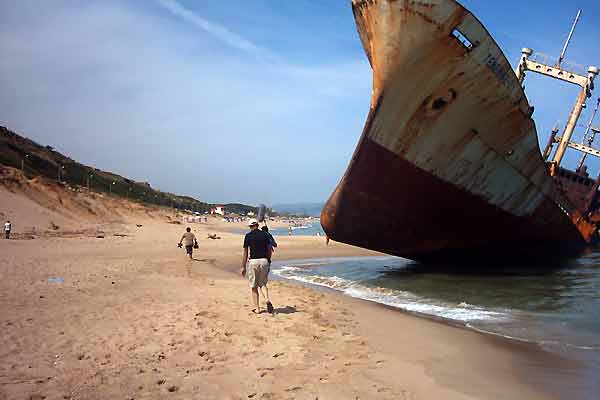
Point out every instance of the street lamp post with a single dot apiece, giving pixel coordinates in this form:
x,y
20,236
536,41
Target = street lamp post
x,y
110,186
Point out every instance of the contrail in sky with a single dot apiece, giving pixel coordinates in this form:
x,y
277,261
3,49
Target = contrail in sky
x,y
218,31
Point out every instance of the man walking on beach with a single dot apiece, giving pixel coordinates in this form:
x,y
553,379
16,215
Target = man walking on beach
x,y
7,229
257,253
189,241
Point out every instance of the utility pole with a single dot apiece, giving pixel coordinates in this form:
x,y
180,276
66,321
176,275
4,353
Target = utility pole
x,y
60,170
23,163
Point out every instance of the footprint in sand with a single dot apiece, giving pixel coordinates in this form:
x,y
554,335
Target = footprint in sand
x,y
203,314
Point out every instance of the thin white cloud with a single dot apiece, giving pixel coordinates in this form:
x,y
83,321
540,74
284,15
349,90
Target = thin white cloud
x,y
218,31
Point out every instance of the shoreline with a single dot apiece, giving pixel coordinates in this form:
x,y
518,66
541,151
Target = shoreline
x,y
524,351
136,300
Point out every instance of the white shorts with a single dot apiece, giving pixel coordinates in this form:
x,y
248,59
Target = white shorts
x,y
258,272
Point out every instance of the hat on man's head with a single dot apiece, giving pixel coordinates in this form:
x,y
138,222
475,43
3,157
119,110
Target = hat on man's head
x,y
252,222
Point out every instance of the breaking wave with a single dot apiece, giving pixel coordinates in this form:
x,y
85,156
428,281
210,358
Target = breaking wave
x,y
403,300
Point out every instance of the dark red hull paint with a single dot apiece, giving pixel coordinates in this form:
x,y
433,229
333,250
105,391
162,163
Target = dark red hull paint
x,y
387,204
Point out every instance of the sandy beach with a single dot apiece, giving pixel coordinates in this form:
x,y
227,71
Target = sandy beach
x,y
97,301
126,315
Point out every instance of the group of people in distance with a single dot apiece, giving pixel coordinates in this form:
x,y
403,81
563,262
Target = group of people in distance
x,y
259,245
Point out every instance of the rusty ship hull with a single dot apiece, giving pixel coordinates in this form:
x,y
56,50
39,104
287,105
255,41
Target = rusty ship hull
x,y
448,165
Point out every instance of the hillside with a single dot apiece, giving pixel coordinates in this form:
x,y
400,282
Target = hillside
x,y
42,207
36,160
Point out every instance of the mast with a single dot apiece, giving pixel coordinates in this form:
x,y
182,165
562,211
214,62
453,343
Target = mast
x,y
591,137
564,50
585,82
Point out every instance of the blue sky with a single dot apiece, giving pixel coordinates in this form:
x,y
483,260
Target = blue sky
x,y
252,101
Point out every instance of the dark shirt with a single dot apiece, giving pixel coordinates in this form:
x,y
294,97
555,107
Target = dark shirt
x,y
272,241
258,243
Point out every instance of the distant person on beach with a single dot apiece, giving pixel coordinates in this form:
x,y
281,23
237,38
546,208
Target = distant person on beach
x,y
255,260
272,241
7,229
289,231
189,241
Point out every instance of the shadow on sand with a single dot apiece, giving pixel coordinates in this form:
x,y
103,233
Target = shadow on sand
x,y
286,310
206,260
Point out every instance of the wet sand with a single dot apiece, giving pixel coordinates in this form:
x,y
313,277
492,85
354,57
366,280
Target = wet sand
x,y
134,319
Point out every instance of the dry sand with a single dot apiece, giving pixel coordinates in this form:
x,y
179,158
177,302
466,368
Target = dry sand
x,y
133,319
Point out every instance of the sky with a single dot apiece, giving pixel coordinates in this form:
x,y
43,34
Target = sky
x,y
257,101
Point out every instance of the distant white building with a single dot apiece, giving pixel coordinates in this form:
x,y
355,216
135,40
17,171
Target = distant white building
x,y
218,210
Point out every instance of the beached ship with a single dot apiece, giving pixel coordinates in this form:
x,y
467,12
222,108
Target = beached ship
x,y
448,165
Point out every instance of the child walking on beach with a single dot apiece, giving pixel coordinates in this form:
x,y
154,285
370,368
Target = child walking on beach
x,y
272,241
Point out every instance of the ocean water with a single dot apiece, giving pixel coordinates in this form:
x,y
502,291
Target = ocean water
x,y
309,229
557,308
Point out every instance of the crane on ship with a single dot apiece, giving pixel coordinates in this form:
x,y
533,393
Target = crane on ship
x,y
578,187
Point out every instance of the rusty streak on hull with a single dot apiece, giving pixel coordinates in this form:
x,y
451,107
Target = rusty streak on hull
x,y
448,164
